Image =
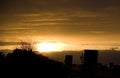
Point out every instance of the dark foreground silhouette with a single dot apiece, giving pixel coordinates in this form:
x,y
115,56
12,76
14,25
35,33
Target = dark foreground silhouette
x,y
26,63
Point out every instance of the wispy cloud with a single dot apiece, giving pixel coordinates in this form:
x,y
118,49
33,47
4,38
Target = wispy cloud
x,y
97,32
2,43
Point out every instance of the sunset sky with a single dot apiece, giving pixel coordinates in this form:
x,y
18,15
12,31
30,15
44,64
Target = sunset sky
x,y
79,24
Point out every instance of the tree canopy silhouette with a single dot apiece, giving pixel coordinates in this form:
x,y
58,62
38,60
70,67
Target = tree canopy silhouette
x,y
25,62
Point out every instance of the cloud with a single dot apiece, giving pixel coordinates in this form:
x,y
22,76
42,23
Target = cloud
x,y
59,16
78,22
97,32
31,6
2,43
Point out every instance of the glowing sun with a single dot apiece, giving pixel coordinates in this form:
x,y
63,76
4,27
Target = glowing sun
x,y
50,47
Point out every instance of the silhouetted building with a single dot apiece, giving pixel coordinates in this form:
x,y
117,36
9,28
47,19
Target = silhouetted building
x,y
68,60
90,57
90,62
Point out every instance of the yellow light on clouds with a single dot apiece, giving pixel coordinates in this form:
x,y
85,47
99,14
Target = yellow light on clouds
x,y
50,47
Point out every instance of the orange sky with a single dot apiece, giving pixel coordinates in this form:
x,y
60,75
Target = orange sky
x,y
86,23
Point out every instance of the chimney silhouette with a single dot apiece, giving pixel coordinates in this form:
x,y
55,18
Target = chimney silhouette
x,y
68,60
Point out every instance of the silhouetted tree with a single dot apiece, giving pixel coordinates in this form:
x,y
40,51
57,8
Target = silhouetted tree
x,y
26,46
2,56
26,63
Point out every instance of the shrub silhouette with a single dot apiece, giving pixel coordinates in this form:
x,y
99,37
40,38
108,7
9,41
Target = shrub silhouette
x,y
26,63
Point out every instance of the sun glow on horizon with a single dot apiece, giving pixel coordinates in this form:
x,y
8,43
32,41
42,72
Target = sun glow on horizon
x,y
50,47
